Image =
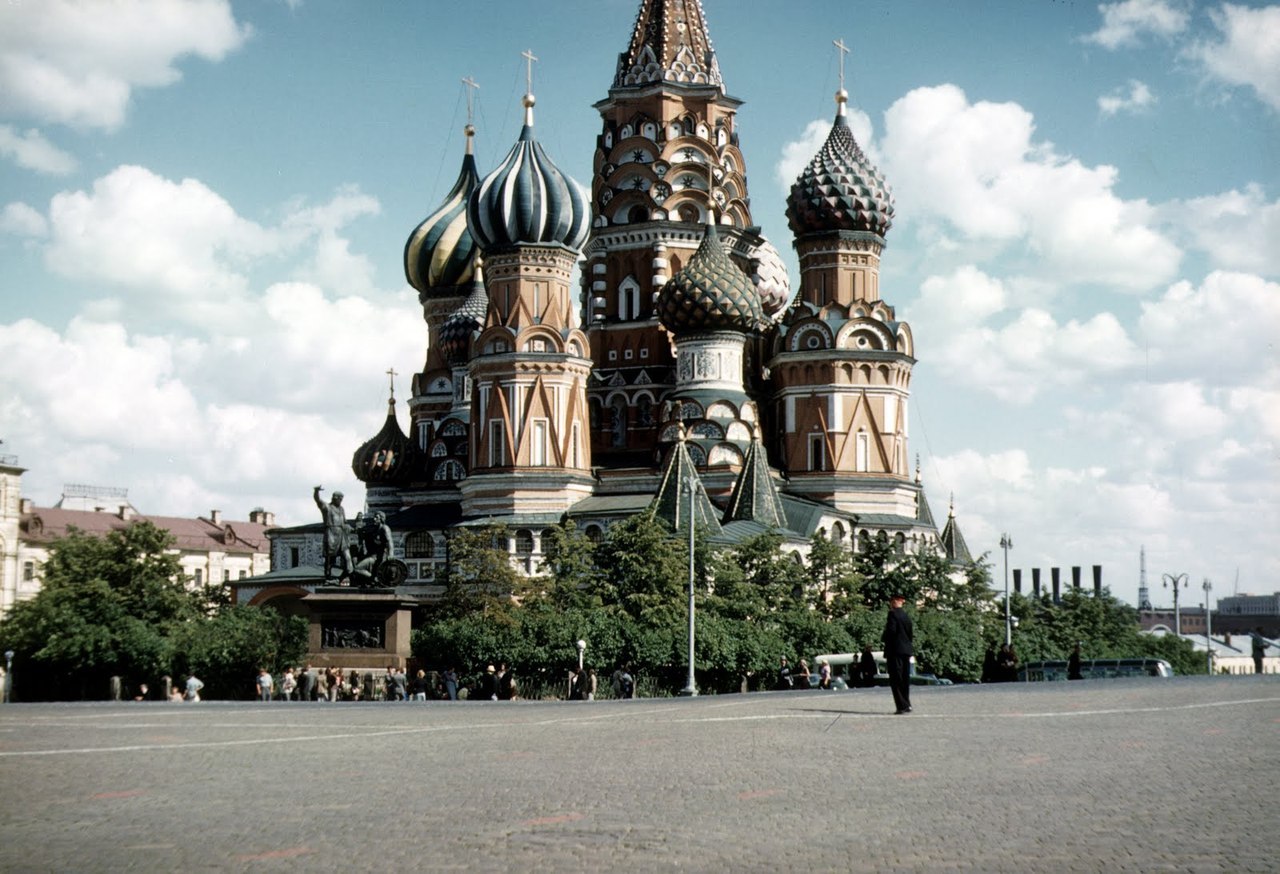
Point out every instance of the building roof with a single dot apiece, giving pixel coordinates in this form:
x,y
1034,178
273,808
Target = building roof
x,y
669,45
45,524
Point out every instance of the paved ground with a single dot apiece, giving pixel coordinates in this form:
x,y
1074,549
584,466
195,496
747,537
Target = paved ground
x,y
1119,775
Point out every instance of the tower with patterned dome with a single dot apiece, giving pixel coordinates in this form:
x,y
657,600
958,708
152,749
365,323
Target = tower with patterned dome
x,y
842,361
529,365
440,262
667,158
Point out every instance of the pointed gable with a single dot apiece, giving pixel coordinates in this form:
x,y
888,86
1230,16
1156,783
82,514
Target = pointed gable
x,y
672,500
755,496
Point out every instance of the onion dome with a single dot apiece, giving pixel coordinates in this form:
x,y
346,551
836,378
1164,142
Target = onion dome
x,y
527,199
840,190
462,324
710,293
437,257
769,275
388,458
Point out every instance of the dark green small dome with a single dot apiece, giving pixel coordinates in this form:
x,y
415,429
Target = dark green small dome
x,y
710,294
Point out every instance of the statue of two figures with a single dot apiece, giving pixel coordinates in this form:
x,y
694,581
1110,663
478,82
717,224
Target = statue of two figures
x,y
364,556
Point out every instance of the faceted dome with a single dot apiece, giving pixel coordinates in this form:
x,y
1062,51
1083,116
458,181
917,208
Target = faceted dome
x,y
840,190
437,257
528,200
388,458
710,293
457,330
772,283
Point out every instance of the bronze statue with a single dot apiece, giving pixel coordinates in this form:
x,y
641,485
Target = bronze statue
x,y
337,538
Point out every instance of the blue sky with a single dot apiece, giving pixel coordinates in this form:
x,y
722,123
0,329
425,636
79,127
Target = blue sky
x,y
203,207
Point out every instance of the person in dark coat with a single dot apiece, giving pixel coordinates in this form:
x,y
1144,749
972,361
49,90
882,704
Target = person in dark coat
x,y
867,668
898,649
1073,664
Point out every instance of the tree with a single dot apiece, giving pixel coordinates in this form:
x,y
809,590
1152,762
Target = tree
x,y
643,570
227,650
108,607
479,577
570,565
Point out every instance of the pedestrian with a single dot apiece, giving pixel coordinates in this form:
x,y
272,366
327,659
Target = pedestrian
x,y
420,685
592,681
784,675
1259,649
1073,664
627,685
175,694
802,674
899,646
1006,664
506,683
265,684
193,688
354,687
451,684
399,685
288,683
824,674
867,670
308,683
142,693
488,685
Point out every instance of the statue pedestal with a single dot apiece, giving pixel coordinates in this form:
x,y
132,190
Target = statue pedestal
x,y
358,628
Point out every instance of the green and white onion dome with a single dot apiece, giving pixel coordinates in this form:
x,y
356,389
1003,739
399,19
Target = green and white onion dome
x,y
769,275
438,254
463,323
840,190
710,293
528,200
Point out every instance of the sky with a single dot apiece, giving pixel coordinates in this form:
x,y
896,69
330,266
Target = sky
x,y
204,205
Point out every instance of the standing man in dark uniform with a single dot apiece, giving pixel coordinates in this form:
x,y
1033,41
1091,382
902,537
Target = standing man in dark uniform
x,y
897,652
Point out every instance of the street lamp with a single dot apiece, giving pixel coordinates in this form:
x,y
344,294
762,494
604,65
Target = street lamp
x,y
1006,543
1208,623
1173,580
690,687
582,648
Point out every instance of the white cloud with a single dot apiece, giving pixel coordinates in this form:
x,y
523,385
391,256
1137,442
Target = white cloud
x,y
1248,51
977,167
1125,24
22,220
77,62
1021,358
1240,230
1138,98
1226,329
178,241
32,151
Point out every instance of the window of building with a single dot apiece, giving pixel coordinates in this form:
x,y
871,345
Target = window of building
x,y
817,452
293,556
862,450
595,533
524,542
243,574
226,576
199,577
419,544
28,571
538,445
497,443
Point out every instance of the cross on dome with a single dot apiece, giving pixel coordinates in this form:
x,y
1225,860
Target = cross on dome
x,y
842,96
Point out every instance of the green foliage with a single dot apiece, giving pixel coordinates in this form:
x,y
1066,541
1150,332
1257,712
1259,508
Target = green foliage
x,y
117,606
227,650
643,570
479,577
571,568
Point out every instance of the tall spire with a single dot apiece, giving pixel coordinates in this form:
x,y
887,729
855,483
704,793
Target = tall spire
x,y
669,44
672,500
755,496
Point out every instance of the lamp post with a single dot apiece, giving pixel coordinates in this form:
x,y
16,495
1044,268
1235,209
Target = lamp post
x,y
582,648
1006,543
8,674
1208,623
690,687
1173,580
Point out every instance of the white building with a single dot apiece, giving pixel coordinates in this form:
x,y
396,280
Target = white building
x,y
211,549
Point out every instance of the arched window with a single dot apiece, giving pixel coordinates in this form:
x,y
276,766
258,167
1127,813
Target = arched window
x,y
419,544
637,214
524,542
595,533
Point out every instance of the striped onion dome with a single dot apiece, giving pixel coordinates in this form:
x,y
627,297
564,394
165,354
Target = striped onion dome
x,y
840,190
458,329
527,199
388,458
710,293
437,257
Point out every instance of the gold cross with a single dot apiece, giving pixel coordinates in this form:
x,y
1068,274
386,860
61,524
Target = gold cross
x,y
527,54
472,88
844,50
392,373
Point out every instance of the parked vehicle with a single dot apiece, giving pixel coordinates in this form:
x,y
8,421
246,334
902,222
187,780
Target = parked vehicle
x,y
1096,669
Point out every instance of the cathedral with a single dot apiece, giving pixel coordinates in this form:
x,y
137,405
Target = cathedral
x,y
678,368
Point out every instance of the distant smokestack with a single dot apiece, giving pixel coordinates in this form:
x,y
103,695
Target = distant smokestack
x,y
1057,584
1075,576
1017,581
1097,580
1035,581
